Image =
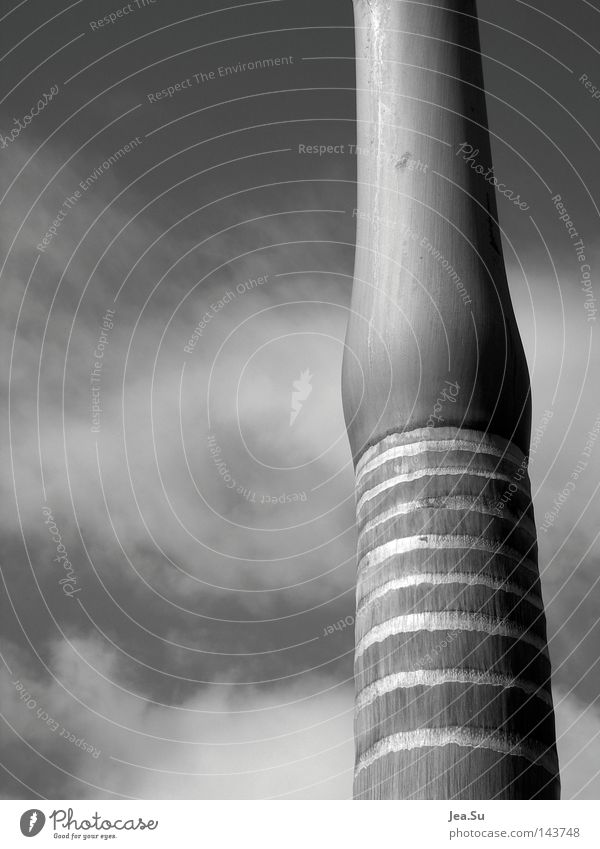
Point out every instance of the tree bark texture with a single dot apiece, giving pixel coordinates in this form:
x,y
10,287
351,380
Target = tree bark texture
x,y
452,669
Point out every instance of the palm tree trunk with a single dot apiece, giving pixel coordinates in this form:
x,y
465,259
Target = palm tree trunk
x,y
452,669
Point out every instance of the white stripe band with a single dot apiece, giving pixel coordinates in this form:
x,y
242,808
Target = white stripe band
x,y
476,738
437,677
471,504
442,542
438,579
449,471
449,620
413,449
443,434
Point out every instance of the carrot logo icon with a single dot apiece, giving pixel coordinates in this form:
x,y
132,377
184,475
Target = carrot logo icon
x,y
32,822
302,390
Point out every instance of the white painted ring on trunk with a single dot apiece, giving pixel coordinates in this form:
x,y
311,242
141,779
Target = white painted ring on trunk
x,y
442,542
439,471
447,620
470,504
437,677
475,738
413,449
452,437
439,579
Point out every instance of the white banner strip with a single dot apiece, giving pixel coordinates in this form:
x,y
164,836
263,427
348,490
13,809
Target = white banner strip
x,y
298,824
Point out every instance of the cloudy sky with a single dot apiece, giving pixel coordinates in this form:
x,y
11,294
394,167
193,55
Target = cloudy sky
x,y
176,545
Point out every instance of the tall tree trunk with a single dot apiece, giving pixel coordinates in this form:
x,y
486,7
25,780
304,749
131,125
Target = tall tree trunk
x,y
452,669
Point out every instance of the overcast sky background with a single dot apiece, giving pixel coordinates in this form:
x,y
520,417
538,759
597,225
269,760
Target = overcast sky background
x,y
195,657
